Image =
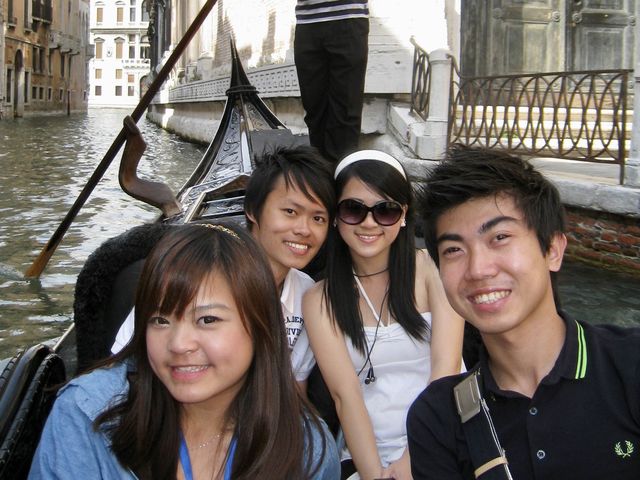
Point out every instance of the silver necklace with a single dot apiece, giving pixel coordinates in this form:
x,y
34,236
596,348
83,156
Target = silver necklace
x,y
204,444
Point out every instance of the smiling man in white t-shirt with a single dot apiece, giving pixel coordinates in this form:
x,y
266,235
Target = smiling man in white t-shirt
x,y
289,203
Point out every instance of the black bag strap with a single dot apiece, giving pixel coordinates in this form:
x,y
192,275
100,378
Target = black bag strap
x,y
487,456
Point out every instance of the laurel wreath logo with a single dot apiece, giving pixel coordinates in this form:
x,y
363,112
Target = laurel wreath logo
x,y
624,453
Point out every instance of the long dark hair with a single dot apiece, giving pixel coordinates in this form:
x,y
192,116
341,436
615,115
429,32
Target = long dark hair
x,y
340,290
267,412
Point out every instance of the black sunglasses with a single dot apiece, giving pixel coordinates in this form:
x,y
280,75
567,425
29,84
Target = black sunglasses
x,y
385,213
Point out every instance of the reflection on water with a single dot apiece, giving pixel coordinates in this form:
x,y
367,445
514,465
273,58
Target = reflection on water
x,y
45,162
598,296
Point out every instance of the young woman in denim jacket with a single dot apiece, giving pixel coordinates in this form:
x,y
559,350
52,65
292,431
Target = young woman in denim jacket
x,y
203,390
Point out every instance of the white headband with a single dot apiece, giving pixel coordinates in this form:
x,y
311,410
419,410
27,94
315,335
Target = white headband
x,y
369,155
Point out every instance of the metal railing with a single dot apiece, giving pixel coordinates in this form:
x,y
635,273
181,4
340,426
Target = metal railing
x,y
572,115
420,81
578,115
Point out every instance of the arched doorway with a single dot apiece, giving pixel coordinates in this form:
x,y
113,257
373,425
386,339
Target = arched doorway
x,y
18,85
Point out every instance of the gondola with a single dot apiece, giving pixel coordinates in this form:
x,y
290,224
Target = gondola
x,y
105,287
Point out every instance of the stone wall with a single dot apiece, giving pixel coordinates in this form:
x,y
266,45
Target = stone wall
x,y
604,239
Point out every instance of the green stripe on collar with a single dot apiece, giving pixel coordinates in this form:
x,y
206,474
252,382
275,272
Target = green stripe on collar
x,y
581,365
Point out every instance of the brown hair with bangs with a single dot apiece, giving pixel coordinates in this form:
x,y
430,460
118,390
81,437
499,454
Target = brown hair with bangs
x,y
270,437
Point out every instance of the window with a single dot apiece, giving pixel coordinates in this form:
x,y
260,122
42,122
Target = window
x,y
118,74
35,59
62,61
99,15
145,52
34,93
27,12
26,87
8,87
132,38
130,78
144,11
118,91
49,94
119,48
42,60
132,51
132,15
41,93
98,74
60,95
119,14
131,91
99,50
98,90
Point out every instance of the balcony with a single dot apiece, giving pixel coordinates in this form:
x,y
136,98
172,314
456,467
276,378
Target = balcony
x,y
136,62
55,39
64,42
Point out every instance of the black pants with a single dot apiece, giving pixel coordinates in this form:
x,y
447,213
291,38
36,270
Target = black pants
x,y
331,61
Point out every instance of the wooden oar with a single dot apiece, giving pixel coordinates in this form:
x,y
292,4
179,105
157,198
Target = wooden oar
x,y
40,263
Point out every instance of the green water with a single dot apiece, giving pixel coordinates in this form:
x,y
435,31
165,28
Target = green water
x,y
44,163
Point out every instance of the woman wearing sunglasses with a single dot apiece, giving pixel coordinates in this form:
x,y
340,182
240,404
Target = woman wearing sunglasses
x,y
380,325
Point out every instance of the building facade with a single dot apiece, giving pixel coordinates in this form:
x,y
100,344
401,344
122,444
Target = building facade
x,y
119,70
45,56
263,31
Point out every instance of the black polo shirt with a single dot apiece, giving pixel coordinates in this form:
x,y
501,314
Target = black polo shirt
x,y
583,421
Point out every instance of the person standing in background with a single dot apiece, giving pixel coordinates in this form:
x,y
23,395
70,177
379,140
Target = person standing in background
x,y
330,50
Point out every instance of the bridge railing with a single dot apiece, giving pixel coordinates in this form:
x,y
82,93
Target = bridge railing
x,y
420,81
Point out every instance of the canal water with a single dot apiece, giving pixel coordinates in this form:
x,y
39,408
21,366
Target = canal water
x,y
45,162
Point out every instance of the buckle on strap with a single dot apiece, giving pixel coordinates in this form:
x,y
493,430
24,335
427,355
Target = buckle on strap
x,y
467,396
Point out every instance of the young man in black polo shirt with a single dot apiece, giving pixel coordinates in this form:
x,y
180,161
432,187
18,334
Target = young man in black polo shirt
x,y
564,395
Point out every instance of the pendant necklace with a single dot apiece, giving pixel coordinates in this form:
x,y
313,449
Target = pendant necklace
x,y
365,275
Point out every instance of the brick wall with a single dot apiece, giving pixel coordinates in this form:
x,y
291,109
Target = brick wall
x,y
604,239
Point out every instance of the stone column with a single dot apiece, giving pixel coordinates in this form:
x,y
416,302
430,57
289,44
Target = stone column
x,y
429,139
632,167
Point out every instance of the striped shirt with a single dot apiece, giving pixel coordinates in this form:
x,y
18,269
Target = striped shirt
x,y
314,11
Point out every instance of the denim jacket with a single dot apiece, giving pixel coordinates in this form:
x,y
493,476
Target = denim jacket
x,y
71,448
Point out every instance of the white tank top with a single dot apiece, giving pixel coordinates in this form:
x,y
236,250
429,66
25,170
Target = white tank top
x,y
402,367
